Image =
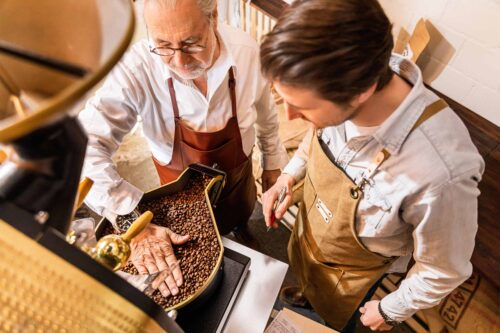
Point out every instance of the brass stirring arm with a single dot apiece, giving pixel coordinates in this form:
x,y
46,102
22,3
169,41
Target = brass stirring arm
x,y
138,226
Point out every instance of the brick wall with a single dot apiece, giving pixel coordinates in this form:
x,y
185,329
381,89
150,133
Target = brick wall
x,y
463,58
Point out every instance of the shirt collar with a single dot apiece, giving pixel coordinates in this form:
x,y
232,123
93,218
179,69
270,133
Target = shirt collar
x,y
396,128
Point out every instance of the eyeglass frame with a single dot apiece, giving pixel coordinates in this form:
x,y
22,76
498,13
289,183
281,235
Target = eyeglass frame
x,y
174,49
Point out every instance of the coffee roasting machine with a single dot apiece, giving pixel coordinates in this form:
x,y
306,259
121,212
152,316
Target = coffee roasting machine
x,y
51,54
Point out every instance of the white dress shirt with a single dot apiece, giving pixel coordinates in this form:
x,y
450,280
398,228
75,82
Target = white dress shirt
x,y
137,87
422,201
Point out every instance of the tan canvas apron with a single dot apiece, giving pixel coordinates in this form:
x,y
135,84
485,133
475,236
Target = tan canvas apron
x,y
334,268
222,147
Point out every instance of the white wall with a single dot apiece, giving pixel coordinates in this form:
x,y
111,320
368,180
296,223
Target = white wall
x,y
463,58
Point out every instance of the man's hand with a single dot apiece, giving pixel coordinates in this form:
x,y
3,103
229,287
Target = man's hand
x,y
269,178
152,252
269,198
370,317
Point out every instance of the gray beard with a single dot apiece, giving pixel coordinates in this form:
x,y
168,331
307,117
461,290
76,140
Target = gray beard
x,y
194,74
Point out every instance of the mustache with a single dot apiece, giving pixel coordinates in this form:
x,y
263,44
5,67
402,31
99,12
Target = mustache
x,y
189,67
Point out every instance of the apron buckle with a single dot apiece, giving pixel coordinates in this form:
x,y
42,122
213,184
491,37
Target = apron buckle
x,y
359,187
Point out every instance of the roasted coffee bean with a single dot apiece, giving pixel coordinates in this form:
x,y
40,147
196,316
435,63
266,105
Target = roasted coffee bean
x,y
186,212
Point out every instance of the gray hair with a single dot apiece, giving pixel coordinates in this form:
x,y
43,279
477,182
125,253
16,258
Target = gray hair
x,y
206,6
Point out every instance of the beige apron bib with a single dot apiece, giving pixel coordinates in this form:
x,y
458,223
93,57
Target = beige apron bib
x,y
334,268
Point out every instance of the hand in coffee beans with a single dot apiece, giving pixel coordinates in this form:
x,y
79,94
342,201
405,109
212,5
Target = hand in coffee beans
x,y
152,252
185,212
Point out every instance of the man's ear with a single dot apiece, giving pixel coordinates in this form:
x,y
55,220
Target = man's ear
x,y
215,17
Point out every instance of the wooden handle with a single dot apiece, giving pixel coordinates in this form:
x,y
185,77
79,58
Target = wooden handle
x,y
83,190
138,226
3,156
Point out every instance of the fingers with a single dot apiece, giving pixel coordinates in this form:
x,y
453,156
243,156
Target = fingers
x,y
155,254
362,309
149,261
137,260
141,268
143,259
163,288
161,263
281,208
149,256
268,200
174,266
170,284
177,239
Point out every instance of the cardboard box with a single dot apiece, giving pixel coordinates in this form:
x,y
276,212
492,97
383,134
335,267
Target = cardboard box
x,y
288,321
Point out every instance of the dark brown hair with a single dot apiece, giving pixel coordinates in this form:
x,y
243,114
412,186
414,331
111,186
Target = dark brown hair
x,y
338,48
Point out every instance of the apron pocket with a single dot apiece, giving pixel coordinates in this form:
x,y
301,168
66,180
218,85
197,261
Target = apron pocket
x,y
322,277
223,155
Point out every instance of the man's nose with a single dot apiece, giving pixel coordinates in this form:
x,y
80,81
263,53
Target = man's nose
x,y
180,59
291,112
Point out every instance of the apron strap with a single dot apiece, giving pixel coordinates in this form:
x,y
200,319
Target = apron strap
x,y
429,111
171,90
383,155
232,91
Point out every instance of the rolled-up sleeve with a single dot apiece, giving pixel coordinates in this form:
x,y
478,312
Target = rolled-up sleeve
x,y
298,163
107,117
445,225
274,154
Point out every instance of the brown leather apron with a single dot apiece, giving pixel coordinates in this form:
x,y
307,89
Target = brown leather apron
x,y
224,148
334,268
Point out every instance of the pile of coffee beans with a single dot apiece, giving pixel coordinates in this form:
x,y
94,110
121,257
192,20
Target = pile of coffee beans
x,y
186,212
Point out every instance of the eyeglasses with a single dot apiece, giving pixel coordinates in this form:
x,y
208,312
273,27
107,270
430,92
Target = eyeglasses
x,y
166,51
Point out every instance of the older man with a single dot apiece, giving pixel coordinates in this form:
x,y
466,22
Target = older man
x,y
198,89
